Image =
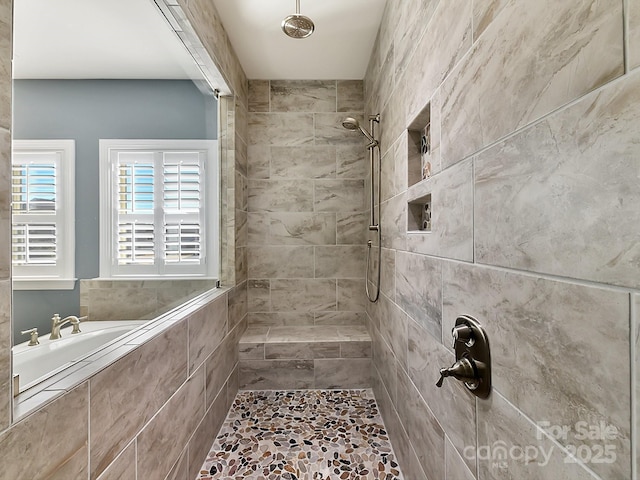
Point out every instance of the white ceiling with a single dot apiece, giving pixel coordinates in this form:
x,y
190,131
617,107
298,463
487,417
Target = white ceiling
x,y
339,48
96,39
131,39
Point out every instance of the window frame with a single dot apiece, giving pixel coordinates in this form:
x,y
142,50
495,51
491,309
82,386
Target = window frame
x,y
109,215
62,275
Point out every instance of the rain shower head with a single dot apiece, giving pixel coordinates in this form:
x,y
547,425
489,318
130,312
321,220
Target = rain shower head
x,y
297,26
351,123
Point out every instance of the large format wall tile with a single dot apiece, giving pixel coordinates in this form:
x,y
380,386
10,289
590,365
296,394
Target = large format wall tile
x,y
302,228
446,39
561,197
303,96
453,405
281,129
305,161
339,261
281,262
544,335
511,446
60,427
6,402
281,195
633,13
162,441
207,328
350,96
6,53
5,202
425,433
419,290
123,467
451,233
303,295
154,372
636,381
338,195
493,90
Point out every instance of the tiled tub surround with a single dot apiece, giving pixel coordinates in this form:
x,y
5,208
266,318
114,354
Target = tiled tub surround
x,y
156,400
136,299
303,435
535,126
305,357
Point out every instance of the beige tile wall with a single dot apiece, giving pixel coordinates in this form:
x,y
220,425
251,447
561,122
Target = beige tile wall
x,y
155,410
6,16
306,187
535,161
167,396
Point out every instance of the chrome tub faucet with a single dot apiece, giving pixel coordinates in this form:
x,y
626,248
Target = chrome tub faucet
x,y
57,323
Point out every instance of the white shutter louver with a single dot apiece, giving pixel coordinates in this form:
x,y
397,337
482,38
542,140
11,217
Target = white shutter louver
x,y
43,209
157,208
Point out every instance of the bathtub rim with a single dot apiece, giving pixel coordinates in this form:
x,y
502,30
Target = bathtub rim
x,y
67,379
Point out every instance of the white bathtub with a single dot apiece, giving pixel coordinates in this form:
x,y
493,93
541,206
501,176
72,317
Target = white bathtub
x,y
34,364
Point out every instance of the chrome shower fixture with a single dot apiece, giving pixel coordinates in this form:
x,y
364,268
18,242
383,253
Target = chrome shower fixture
x,y
351,123
296,25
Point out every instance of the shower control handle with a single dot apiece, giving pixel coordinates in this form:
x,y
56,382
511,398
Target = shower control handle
x,y
473,358
464,370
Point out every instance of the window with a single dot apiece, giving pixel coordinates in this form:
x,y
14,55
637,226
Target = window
x,y
42,204
159,208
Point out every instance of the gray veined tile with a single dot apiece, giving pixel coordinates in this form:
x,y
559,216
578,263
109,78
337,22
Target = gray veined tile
x,y
259,161
259,295
511,446
258,95
281,262
303,95
578,48
350,96
303,228
329,130
339,196
342,373
339,261
636,381
350,228
280,318
633,10
281,195
304,161
561,197
451,234
351,161
544,335
445,41
453,405
303,295
276,374
281,129
419,290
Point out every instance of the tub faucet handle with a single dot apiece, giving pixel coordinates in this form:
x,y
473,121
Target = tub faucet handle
x,y
34,336
76,324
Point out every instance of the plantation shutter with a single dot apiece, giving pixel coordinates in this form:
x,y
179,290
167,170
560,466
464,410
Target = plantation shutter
x,y
159,215
36,211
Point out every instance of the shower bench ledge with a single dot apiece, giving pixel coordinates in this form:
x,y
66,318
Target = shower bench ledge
x,y
301,357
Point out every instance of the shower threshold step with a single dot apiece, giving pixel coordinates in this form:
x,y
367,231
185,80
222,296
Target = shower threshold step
x,y
301,357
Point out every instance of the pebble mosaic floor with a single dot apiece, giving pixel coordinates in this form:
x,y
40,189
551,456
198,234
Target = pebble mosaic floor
x,y
302,435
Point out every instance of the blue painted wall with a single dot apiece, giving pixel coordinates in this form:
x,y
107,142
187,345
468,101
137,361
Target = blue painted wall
x,y
86,111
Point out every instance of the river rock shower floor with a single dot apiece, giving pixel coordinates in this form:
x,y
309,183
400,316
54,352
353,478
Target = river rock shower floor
x,y
302,435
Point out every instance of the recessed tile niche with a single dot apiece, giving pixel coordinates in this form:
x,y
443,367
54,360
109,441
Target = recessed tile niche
x,y
419,169
419,145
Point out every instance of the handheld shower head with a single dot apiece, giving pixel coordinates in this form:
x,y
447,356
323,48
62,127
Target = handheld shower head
x,y
351,123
